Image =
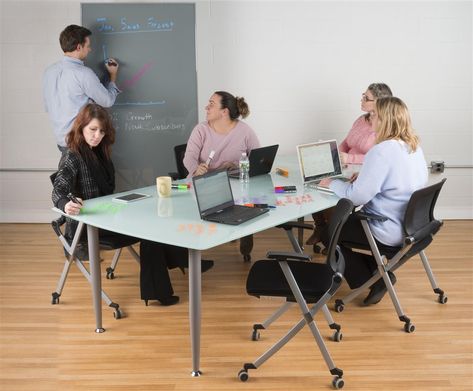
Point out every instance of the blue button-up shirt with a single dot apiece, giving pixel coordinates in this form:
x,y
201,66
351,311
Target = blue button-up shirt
x,y
68,85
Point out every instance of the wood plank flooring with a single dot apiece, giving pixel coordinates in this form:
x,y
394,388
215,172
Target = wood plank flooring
x,y
53,347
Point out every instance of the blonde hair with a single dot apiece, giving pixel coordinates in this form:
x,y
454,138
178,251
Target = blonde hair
x,y
394,122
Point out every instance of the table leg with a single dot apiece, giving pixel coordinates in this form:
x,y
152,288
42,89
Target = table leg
x,y
94,260
195,288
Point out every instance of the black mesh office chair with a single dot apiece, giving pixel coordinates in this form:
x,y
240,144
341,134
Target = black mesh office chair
x,y
420,226
76,252
291,276
179,152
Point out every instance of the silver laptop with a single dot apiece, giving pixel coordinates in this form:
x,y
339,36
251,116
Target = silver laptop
x,y
215,200
319,160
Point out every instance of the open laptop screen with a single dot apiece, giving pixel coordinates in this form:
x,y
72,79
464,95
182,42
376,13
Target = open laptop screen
x,y
319,160
213,191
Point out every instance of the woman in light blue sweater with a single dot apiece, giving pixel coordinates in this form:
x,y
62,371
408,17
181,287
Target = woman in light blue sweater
x,y
393,169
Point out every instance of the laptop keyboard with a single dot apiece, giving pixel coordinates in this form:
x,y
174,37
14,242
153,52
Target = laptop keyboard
x,y
234,213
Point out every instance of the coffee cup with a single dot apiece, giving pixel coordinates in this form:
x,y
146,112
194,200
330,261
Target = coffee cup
x,y
163,186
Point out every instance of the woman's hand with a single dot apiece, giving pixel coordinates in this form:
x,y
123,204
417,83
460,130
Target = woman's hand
x,y
343,157
325,182
202,168
228,166
353,177
72,208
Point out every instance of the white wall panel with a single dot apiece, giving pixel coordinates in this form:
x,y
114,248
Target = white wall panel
x,y
301,65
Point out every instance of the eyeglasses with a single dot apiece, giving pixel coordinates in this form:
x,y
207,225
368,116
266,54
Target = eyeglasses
x,y
365,98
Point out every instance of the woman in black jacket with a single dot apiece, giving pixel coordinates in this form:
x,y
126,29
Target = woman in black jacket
x,y
86,170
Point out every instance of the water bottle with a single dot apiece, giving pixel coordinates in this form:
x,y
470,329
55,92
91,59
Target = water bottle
x,y
244,168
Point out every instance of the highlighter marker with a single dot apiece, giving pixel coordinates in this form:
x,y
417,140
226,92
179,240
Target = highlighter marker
x,y
211,156
181,186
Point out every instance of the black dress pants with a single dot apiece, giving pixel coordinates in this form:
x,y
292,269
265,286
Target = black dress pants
x,y
155,260
358,267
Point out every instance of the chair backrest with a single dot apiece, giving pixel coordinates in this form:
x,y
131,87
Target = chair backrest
x,y
420,208
179,152
338,219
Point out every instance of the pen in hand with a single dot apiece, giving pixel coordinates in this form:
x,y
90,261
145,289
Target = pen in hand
x,y
211,156
73,199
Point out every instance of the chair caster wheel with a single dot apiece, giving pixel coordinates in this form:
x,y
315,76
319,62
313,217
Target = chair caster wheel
x,y
337,336
246,258
110,275
409,327
55,298
443,299
243,375
255,335
339,307
338,382
118,314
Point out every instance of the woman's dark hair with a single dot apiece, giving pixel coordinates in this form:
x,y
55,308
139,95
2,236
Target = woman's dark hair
x,y
75,138
236,105
72,36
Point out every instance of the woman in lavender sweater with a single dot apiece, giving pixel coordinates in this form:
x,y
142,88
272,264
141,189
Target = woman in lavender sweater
x,y
227,136
223,133
353,149
392,170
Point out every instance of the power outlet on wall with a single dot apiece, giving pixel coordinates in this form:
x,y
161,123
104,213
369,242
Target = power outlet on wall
x,y
437,167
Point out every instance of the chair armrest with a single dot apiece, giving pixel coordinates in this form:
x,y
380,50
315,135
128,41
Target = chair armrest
x,y
56,224
369,216
430,229
285,256
294,224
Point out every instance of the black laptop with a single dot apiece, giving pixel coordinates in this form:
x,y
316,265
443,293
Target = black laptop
x,y
215,200
261,161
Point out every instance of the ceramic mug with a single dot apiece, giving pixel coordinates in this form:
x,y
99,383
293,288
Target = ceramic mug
x,y
163,186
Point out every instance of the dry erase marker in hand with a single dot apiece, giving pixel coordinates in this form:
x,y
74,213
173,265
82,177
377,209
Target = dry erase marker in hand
x,y
211,156
73,199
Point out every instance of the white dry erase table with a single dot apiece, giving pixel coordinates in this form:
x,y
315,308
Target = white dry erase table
x,y
176,221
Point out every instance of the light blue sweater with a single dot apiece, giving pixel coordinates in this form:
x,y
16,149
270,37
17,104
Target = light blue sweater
x,y
388,177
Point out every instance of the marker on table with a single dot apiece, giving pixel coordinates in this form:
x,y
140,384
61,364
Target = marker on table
x,y
73,199
285,189
211,156
181,186
265,206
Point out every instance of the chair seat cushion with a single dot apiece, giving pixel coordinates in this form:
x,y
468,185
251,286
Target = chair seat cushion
x,y
266,278
116,241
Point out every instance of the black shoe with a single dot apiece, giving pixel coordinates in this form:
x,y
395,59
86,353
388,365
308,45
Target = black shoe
x,y
204,265
167,301
378,290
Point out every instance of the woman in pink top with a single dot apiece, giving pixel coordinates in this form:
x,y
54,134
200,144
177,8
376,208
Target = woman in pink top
x,y
353,149
225,135
222,133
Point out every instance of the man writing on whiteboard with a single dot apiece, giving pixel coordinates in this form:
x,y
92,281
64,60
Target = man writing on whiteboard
x,y
68,85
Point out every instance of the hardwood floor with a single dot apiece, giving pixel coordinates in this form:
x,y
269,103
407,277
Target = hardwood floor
x,y
53,347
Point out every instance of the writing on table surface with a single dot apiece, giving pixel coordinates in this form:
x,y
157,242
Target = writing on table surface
x,y
102,207
294,200
197,229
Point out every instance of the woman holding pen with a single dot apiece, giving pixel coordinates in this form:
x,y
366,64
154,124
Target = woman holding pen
x,y
219,141
86,171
